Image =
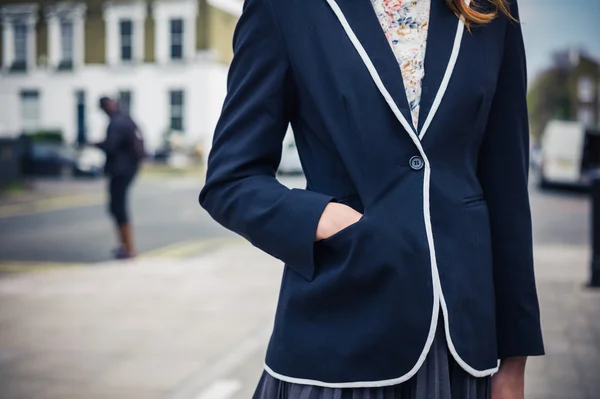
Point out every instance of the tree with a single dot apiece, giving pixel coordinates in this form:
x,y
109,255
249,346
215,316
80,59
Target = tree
x,y
549,98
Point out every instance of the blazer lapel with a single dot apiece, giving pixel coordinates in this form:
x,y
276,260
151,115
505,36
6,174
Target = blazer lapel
x,y
442,21
362,27
443,47
364,24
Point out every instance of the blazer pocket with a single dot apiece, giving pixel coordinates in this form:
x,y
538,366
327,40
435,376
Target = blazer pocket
x,y
353,201
342,234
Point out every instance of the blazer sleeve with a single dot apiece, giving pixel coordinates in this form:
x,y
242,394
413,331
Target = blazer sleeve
x,y
503,172
241,190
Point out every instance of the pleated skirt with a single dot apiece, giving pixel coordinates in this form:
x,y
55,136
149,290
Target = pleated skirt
x,y
440,377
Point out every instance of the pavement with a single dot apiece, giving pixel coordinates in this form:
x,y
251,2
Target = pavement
x,y
197,328
190,318
148,328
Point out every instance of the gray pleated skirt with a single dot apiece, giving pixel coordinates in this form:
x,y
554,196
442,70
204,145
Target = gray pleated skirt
x,y
440,377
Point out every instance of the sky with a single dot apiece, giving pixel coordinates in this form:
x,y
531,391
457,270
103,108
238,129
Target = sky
x,y
553,25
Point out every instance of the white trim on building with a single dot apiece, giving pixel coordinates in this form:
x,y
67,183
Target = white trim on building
x,y
165,11
150,85
233,7
114,14
68,101
11,16
56,16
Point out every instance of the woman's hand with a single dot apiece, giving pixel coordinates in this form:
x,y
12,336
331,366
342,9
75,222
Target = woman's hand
x,y
509,381
335,218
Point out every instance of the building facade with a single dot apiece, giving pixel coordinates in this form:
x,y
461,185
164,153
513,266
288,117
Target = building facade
x,y
165,60
569,90
583,86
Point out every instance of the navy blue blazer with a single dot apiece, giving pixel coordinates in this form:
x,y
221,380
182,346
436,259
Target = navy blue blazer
x,y
446,229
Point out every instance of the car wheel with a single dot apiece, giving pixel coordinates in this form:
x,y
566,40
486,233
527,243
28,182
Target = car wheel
x,y
543,183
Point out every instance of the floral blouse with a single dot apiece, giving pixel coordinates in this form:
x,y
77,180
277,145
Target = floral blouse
x,y
405,23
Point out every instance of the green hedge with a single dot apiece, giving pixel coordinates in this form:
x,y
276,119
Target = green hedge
x,y
55,136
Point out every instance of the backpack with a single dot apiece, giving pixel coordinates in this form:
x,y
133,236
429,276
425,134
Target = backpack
x,y
139,148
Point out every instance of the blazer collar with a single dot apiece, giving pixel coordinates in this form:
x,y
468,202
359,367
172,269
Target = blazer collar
x,y
443,44
440,39
364,22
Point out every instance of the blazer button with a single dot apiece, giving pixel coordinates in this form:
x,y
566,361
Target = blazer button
x,y
416,163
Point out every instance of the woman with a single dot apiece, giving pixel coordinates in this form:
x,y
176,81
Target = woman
x,y
409,255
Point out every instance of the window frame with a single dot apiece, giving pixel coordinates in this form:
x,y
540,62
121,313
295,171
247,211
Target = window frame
x,y
176,39
20,43
29,124
69,42
128,94
177,110
131,42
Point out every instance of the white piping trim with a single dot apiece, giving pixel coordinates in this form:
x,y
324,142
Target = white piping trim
x,y
357,384
434,108
374,74
447,75
455,355
388,98
438,296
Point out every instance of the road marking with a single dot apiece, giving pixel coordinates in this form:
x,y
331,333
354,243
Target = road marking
x,y
223,389
223,367
190,247
31,267
50,204
179,250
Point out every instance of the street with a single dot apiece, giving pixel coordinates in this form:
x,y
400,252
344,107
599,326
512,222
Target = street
x,y
169,221
165,211
190,318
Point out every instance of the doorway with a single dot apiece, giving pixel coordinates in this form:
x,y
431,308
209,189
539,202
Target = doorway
x,y
80,112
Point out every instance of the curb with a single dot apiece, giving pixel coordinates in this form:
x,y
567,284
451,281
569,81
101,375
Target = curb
x,y
190,249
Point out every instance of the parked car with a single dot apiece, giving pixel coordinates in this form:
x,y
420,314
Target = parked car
x,y
49,159
89,162
59,159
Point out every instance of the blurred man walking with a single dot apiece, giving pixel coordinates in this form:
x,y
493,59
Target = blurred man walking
x,y
124,151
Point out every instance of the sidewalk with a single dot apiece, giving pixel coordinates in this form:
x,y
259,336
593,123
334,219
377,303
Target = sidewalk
x,y
571,323
168,329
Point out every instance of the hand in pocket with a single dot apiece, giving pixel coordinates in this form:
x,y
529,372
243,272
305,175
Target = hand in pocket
x,y
335,218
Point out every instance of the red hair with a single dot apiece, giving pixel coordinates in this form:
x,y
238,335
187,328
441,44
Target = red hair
x,y
474,13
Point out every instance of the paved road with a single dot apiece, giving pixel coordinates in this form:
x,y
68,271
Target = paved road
x,y
165,212
169,222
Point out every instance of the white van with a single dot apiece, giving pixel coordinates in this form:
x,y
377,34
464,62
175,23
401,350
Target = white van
x,y
569,153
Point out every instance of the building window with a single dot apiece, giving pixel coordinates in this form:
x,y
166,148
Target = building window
x,y
177,103
66,45
20,43
125,101
30,110
585,89
176,39
126,34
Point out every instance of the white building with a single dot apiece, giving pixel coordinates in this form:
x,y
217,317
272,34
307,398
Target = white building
x,y
166,60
